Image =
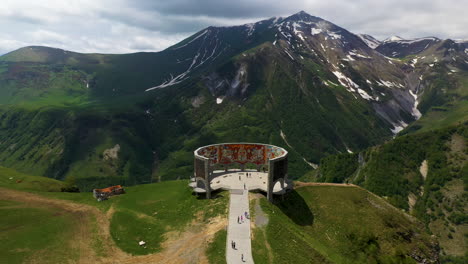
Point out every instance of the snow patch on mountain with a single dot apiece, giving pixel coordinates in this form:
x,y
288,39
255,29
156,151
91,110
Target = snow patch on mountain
x,y
354,53
460,41
411,41
393,39
197,37
313,165
389,84
315,31
397,127
283,136
345,81
203,55
292,58
250,28
333,35
364,94
348,58
370,41
179,78
415,112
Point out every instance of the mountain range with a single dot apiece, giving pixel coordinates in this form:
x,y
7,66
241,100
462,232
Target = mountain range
x,y
301,82
348,108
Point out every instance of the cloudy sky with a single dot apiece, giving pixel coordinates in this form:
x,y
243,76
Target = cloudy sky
x,y
120,26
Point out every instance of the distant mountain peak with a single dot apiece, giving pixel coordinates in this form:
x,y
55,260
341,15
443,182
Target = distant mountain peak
x,y
370,41
303,13
400,39
393,39
303,16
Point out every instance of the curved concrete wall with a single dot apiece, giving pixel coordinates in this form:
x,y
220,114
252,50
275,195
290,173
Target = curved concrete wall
x,y
224,154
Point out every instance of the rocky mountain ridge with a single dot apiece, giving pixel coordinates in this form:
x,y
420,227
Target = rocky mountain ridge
x,y
301,82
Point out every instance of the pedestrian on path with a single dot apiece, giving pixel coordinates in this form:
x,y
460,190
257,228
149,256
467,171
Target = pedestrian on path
x,y
244,186
238,220
239,178
242,219
242,257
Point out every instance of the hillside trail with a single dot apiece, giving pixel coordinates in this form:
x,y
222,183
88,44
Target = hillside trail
x,y
179,247
298,184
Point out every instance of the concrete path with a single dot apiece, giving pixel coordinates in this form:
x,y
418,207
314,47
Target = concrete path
x,y
239,233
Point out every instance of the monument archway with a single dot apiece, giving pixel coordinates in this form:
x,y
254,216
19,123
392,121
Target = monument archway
x,y
224,166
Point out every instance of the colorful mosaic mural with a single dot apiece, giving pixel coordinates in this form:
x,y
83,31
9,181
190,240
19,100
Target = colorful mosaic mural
x,y
241,153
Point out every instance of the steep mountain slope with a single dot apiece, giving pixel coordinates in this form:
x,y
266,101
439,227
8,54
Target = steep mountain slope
x,y
338,224
341,59
299,82
440,66
424,173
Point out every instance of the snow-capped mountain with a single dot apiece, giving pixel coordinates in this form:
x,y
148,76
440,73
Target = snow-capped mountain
x,y
397,47
345,60
298,81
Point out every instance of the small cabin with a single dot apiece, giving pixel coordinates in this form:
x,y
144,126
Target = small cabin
x,y
104,194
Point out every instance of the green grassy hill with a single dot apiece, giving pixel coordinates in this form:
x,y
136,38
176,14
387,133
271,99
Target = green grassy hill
x,y
39,220
315,223
425,174
10,178
339,224
30,234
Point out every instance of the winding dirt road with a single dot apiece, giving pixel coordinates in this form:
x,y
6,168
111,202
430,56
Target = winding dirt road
x,y
180,247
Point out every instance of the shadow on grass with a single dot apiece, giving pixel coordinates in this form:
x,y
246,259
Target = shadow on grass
x,y
214,195
294,206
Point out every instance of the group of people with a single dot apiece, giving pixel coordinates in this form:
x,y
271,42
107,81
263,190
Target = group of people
x,y
247,174
240,219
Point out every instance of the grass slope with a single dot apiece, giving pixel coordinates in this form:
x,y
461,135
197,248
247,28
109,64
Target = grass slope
x,y
146,212
35,234
10,178
330,224
393,170
216,251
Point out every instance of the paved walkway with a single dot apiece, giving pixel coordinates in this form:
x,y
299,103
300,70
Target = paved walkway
x,y
239,233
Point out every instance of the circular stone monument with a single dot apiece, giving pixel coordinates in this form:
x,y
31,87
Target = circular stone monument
x,y
226,166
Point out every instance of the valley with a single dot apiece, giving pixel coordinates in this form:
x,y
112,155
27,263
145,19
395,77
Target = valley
x,y
376,134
